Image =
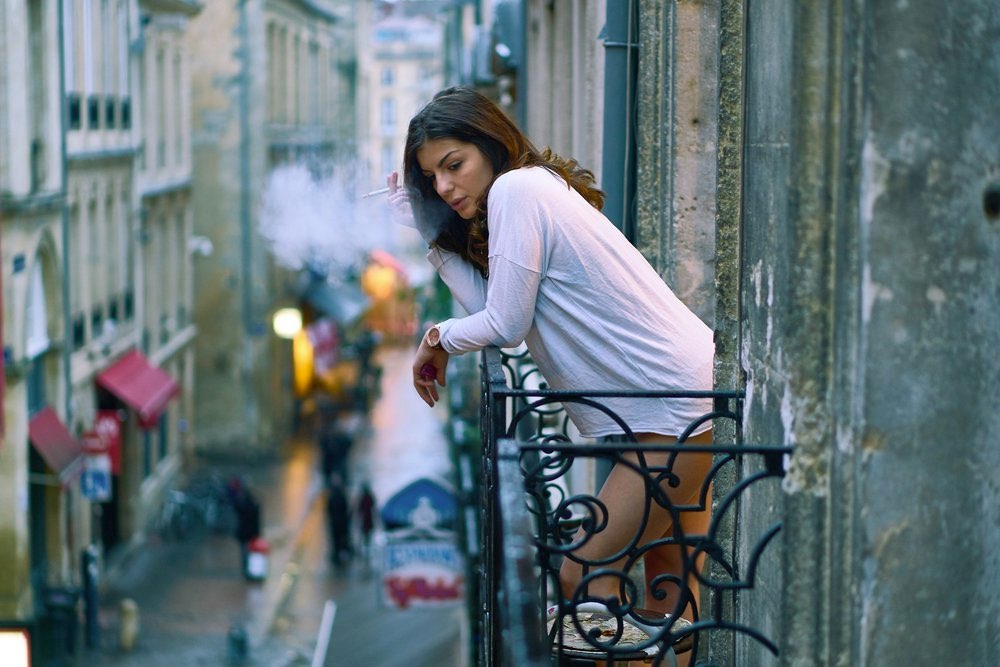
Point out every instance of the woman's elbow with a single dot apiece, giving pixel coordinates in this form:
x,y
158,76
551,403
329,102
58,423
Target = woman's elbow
x,y
509,337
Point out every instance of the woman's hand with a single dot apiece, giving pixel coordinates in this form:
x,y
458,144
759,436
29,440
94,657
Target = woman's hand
x,y
401,208
429,368
399,202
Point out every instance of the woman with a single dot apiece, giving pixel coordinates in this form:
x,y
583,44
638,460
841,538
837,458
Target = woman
x,y
518,237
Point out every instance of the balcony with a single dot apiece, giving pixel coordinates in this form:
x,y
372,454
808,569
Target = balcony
x,y
536,509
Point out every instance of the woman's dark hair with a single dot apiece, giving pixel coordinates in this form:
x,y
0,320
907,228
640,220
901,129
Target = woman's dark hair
x,y
465,115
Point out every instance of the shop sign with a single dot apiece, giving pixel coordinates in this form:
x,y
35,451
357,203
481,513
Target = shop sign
x,y
95,482
421,563
108,427
422,572
325,342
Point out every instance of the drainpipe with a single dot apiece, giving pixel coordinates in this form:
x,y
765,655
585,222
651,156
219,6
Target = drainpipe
x,y
621,64
620,70
67,347
521,54
246,242
246,248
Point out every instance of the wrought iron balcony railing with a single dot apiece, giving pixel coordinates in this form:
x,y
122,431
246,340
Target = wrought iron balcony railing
x,y
531,519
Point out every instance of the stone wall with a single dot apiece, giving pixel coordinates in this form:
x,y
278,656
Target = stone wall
x,y
869,260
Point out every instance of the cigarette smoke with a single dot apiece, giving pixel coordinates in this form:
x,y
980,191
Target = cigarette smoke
x,y
320,224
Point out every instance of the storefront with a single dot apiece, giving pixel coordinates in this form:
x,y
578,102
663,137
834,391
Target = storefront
x,y
129,425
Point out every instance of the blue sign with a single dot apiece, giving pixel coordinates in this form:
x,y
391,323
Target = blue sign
x,y
421,504
95,482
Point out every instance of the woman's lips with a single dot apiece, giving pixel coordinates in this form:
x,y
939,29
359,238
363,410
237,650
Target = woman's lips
x,y
458,203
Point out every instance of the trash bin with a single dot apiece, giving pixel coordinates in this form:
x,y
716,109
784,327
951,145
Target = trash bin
x,y
258,554
59,620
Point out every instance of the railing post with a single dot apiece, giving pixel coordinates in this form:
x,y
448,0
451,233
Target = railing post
x,y
520,604
494,420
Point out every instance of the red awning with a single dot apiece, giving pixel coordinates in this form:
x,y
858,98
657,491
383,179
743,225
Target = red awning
x,y
61,451
140,385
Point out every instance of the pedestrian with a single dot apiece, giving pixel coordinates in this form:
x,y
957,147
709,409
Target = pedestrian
x,y
334,444
365,511
338,517
247,510
518,236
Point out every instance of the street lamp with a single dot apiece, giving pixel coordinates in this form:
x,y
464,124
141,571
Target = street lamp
x,y
287,322
15,647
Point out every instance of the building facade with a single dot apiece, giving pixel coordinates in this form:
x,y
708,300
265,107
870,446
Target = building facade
x,y
94,187
400,67
274,86
40,499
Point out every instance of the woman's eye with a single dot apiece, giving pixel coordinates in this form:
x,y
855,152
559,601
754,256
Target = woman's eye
x,y
454,165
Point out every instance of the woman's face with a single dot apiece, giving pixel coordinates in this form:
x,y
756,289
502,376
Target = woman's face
x,y
459,172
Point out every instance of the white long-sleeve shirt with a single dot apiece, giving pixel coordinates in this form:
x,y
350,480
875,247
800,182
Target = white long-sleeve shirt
x,y
591,310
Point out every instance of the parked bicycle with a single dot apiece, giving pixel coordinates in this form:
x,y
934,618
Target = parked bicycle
x,y
211,501
177,518
203,504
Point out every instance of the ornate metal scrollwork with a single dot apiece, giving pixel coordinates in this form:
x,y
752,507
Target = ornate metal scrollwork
x,y
536,458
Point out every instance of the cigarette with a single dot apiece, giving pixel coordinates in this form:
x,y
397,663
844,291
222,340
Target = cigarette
x,y
373,193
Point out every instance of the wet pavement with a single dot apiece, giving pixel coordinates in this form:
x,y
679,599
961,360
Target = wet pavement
x,y
194,605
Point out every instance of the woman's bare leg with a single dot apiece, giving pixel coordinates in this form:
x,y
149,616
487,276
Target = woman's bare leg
x,y
624,494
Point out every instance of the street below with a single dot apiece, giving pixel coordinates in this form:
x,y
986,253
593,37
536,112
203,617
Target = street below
x,y
196,608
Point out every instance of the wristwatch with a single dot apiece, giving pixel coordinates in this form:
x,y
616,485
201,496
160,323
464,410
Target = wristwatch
x,y
433,337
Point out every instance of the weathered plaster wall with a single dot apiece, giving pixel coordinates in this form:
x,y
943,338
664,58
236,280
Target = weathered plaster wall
x,y
930,328
765,280
870,326
676,112
720,647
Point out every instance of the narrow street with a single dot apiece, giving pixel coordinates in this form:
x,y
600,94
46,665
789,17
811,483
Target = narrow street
x,y
191,594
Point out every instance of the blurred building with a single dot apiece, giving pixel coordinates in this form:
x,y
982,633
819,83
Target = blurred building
x,y
95,182
400,67
39,497
275,85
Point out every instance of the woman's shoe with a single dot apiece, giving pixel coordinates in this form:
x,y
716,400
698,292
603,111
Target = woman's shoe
x,y
634,631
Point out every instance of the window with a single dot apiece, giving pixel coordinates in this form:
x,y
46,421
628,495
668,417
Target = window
x,y
388,158
109,112
69,50
147,454
74,111
35,384
164,438
387,76
161,112
94,112
178,90
129,304
79,330
272,72
37,316
388,116
74,253
97,321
